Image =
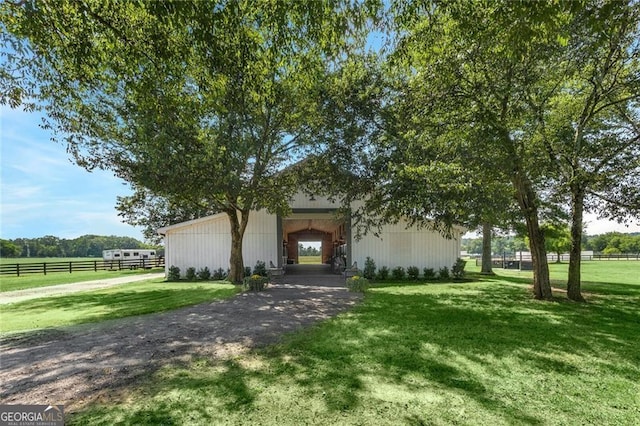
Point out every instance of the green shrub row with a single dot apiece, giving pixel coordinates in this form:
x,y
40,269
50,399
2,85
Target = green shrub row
x,y
205,274
412,272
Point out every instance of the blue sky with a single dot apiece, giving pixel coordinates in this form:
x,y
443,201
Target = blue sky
x,y
43,193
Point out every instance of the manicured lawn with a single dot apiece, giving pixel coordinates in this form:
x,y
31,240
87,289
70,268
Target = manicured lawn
x,y
10,283
475,353
595,274
310,260
122,301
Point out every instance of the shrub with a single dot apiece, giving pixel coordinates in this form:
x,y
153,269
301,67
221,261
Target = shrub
x,y
255,282
247,271
357,284
204,274
383,273
190,275
174,273
398,273
260,269
429,274
413,272
369,271
457,270
219,274
443,273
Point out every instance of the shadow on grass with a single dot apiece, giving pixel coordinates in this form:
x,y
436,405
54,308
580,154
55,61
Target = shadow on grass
x,y
418,341
498,323
94,306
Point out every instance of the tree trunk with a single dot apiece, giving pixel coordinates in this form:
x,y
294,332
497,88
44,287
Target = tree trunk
x,y
527,202
575,255
236,262
487,229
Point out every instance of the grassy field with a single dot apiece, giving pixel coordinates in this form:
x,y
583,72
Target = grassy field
x,y
595,271
10,283
121,301
310,260
475,353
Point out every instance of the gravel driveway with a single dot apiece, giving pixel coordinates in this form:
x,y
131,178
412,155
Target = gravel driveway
x,y
76,364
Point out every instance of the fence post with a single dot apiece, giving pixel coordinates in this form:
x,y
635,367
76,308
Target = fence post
x,y
18,269
95,266
70,267
45,268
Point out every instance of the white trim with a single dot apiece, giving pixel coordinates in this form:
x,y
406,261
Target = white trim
x,y
163,230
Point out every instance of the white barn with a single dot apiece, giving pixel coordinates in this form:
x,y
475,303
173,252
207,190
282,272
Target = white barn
x,y
206,242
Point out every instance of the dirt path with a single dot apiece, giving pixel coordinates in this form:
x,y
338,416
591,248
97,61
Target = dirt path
x,y
77,364
56,290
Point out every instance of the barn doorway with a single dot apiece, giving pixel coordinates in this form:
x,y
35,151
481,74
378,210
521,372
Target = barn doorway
x,y
314,240
310,252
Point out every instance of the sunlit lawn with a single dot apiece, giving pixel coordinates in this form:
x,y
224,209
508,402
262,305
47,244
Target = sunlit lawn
x,y
10,283
121,301
310,260
594,273
480,353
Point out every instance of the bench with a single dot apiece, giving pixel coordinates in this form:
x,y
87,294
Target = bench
x,y
273,271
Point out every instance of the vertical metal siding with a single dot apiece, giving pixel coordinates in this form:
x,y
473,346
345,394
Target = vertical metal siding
x,y
398,246
303,201
208,243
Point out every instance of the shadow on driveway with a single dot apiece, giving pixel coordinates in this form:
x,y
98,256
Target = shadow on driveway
x,y
71,365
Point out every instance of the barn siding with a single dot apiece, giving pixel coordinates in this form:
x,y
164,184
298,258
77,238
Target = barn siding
x,y
399,246
208,242
303,201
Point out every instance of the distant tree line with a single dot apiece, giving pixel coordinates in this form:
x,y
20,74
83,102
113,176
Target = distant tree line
x,y
609,243
50,246
308,251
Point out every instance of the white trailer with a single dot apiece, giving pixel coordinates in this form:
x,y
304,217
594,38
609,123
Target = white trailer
x,y
132,258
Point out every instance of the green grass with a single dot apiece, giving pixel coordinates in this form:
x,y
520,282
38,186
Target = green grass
x,y
10,283
116,302
475,353
310,260
596,274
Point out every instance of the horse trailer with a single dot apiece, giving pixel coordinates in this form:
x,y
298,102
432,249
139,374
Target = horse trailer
x,y
132,258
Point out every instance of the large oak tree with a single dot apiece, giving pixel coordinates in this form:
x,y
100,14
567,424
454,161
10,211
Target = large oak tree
x,y
591,128
473,68
547,92
201,103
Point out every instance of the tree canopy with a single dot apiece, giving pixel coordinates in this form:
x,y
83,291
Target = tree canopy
x,y
200,103
484,90
515,114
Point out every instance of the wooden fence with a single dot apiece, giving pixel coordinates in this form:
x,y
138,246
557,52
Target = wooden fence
x,y
524,262
18,269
